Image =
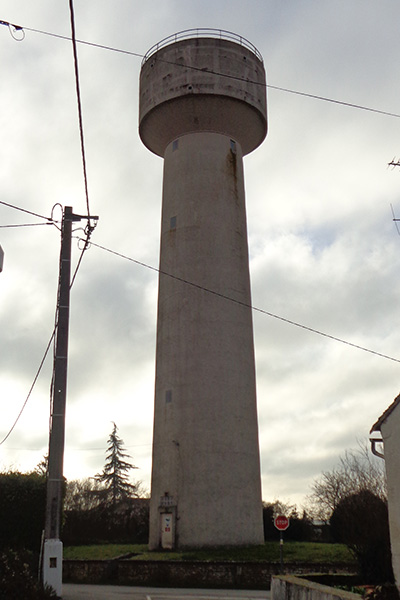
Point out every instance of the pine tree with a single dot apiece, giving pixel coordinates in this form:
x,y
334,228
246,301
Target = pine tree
x,y
115,474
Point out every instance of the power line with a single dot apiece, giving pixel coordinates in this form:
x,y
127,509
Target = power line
x,y
282,89
25,225
29,212
340,102
246,305
207,290
89,230
80,449
31,388
269,86
78,98
84,42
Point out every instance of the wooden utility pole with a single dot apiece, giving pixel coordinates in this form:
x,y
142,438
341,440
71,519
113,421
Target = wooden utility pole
x,y
52,554
52,551
57,417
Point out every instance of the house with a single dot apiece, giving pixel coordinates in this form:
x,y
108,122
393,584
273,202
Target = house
x,y
388,425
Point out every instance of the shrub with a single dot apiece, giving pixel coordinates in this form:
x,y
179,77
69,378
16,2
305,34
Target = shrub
x,y
127,522
361,522
17,581
300,528
22,510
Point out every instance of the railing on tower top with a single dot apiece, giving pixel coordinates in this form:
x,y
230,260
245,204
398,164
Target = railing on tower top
x,y
205,33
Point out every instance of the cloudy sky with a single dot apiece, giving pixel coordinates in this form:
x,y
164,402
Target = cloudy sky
x,y
324,251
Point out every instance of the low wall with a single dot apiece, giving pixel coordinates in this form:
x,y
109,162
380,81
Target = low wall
x,y
289,587
221,574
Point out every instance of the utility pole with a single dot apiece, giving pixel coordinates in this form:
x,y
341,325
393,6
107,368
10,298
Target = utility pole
x,y
52,552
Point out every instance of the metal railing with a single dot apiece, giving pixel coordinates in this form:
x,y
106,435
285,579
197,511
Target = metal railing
x,y
187,34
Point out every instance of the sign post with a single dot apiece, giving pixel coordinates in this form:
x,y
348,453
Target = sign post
x,y
281,523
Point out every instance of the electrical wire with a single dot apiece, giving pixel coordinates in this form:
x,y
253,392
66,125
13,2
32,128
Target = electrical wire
x,y
89,230
78,98
204,289
246,305
281,89
83,42
81,449
29,212
25,225
31,388
268,86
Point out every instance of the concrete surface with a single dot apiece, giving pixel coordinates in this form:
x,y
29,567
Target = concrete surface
x,y
202,84
205,450
73,591
290,587
206,485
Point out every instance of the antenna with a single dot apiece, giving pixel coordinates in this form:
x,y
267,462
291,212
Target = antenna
x,y
394,219
394,163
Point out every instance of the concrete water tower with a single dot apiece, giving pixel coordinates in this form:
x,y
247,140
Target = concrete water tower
x,y
202,108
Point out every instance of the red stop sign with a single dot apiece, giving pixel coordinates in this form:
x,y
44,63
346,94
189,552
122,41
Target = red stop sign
x,y
281,523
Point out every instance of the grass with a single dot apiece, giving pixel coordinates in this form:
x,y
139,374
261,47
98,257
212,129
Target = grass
x,y
101,551
310,552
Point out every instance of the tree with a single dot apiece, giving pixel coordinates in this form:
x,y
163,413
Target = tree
x,y
42,466
361,522
22,508
107,507
87,520
115,474
353,498
357,471
82,494
300,528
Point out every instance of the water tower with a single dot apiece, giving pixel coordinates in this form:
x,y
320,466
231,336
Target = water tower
x,y
202,108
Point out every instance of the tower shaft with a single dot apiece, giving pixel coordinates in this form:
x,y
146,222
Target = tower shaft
x,y
205,454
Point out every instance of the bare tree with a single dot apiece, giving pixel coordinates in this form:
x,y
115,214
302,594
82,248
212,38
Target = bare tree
x,y
82,494
277,507
358,470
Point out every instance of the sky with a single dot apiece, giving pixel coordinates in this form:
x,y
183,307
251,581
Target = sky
x,y
324,250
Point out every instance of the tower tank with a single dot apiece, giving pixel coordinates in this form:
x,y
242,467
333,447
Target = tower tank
x,y
202,108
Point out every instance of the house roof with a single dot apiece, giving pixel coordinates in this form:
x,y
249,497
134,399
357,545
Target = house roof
x,y
384,416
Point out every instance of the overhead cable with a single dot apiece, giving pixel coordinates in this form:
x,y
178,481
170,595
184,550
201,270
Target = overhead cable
x,y
269,86
86,244
29,212
85,247
245,304
25,225
78,98
31,388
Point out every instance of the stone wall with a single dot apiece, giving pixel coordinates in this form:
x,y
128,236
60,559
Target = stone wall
x,y
239,575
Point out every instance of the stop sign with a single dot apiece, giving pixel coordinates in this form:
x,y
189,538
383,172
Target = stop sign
x,y
281,523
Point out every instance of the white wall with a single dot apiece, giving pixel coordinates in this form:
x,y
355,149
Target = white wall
x,y
390,430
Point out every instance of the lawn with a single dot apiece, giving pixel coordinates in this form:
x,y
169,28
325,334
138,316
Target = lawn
x,y
306,552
